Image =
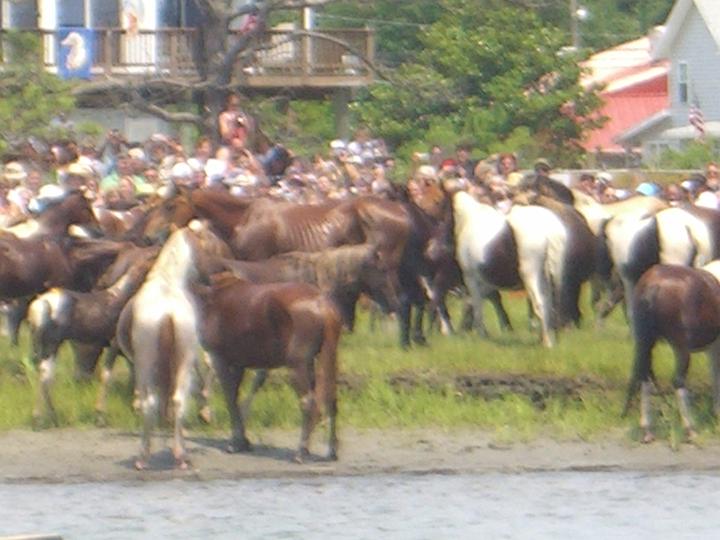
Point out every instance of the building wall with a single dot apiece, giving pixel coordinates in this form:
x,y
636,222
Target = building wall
x,y
695,46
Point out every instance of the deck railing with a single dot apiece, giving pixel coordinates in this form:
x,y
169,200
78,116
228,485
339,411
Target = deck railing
x,y
174,52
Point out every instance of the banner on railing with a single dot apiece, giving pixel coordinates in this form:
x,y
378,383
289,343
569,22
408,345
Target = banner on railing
x,y
75,52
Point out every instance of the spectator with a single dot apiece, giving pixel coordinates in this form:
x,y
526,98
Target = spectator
x,y
462,157
233,123
713,176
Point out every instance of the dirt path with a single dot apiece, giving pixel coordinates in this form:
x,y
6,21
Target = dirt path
x,y
72,455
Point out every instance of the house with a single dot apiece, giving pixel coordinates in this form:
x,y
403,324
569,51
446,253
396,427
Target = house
x,y
93,40
690,43
634,91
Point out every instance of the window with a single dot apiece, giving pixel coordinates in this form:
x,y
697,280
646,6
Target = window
x,y
23,15
682,82
71,13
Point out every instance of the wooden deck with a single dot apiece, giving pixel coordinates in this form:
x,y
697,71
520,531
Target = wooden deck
x,y
283,61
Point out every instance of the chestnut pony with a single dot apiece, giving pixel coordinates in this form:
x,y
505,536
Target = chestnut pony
x,y
682,306
266,326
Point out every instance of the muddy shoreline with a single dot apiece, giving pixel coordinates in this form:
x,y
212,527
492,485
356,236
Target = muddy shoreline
x,y
102,455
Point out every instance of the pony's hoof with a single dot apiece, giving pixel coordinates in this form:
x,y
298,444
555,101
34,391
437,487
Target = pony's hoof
x,y
205,415
420,341
332,455
648,438
301,456
182,463
237,446
140,464
691,435
101,419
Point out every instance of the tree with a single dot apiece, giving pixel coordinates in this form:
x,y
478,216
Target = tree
x,y
220,64
30,97
491,71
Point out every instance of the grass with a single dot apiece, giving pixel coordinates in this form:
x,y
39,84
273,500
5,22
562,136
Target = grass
x,y
370,397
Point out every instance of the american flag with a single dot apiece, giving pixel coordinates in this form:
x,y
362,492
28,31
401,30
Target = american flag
x,y
696,119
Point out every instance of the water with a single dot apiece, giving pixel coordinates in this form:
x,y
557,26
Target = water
x,y
553,505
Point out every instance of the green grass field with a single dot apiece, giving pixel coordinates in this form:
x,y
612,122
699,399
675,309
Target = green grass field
x,y
385,387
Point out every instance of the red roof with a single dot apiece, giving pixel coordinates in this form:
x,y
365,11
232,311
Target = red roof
x,y
635,89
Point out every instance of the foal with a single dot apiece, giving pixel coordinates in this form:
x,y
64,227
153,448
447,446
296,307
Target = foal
x,y
269,326
87,317
682,306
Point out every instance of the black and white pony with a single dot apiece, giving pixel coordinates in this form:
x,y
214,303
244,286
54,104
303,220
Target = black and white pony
x,y
687,236
525,248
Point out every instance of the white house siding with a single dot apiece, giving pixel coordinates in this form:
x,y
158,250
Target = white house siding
x,y
695,46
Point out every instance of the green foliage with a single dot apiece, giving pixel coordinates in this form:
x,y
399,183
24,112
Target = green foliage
x,y
29,96
494,71
696,155
398,25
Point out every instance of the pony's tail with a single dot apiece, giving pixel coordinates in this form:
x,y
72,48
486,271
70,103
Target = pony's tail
x,y
326,367
167,365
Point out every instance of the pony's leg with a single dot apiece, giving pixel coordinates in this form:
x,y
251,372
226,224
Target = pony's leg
x,y
230,377
303,380
682,357
207,378
111,355
496,301
468,316
404,321
538,290
477,295
46,373
149,410
640,378
183,388
418,334
713,354
258,381
86,359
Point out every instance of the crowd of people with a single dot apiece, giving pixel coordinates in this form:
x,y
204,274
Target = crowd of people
x,y
118,174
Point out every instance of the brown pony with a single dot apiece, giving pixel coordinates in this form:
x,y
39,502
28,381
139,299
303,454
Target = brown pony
x,y
269,326
682,306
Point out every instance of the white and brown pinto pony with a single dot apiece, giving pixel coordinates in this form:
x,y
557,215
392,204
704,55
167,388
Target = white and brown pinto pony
x,y
158,332
524,248
687,236
680,305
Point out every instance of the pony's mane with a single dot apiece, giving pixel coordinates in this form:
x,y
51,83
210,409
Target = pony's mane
x,y
338,265
175,260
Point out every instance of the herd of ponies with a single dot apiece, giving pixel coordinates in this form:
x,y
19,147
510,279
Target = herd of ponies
x,y
259,283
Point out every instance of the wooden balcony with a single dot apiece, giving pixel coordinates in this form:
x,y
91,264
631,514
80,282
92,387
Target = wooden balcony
x,y
282,61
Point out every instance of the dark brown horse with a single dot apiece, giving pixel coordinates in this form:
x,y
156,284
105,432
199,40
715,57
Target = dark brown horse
x,y
343,273
269,326
55,214
682,306
258,228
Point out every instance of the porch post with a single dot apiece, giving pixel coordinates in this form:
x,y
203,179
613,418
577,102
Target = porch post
x,y
341,110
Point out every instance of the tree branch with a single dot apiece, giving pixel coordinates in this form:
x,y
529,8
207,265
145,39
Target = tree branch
x,y
181,117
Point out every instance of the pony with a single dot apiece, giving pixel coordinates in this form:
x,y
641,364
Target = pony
x,y
90,317
55,213
157,331
682,306
343,273
524,248
688,236
580,253
266,326
258,228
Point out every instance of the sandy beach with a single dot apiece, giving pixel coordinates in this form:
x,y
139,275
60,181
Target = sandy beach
x,y
98,455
